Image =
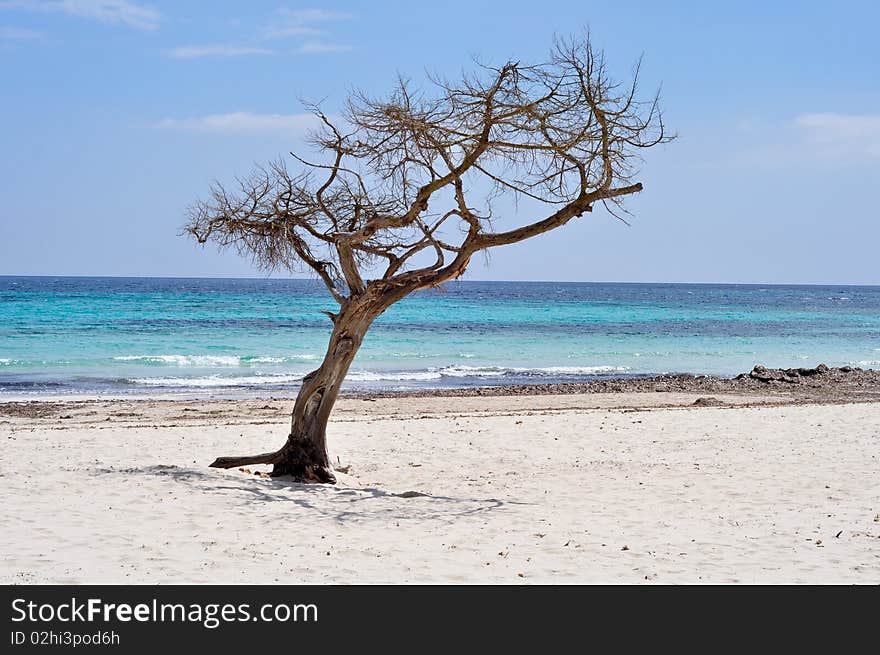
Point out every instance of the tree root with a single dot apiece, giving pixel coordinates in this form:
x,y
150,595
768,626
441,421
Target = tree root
x,y
298,468
234,462
308,473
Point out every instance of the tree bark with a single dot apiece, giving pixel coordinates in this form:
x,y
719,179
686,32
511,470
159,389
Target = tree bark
x,y
304,456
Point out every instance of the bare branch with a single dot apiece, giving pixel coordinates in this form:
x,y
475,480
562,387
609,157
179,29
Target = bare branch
x,y
557,219
391,177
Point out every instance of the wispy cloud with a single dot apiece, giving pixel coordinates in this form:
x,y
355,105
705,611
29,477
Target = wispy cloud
x,y
296,24
320,47
300,23
288,31
840,138
814,140
244,123
122,12
194,52
834,127
311,16
16,34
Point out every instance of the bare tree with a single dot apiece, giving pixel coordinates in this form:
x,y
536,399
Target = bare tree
x,y
393,196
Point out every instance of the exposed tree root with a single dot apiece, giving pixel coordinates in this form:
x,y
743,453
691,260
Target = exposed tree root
x,y
234,462
296,460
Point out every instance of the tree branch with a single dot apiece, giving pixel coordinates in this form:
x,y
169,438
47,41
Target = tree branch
x,y
559,218
560,132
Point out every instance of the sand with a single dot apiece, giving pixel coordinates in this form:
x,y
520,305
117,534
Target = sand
x,y
581,488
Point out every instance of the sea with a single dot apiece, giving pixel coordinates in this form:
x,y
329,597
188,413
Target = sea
x,y
94,336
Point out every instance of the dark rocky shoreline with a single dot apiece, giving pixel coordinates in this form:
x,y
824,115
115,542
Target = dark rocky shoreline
x,y
822,383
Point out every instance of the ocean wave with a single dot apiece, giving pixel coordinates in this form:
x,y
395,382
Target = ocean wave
x,y
217,381
31,362
365,375
303,357
212,361
580,370
458,371
182,360
392,376
866,362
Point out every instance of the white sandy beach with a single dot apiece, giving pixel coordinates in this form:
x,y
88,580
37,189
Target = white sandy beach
x,y
614,488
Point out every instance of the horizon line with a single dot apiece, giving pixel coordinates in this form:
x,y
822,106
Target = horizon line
x,y
314,279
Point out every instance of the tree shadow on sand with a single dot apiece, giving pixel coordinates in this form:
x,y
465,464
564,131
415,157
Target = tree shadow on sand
x,y
336,502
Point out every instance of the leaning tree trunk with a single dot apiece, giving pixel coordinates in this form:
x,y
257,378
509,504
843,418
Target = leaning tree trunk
x,y
304,456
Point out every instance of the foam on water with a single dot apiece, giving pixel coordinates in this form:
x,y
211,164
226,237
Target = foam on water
x,y
217,381
459,371
391,376
211,361
371,376
182,360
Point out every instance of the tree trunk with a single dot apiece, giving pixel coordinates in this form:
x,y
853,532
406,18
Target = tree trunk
x,y
304,456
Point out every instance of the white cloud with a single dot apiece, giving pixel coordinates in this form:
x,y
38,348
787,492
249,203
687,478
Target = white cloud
x,y
244,123
320,47
193,52
297,24
304,16
286,31
831,127
840,137
301,23
123,12
808,141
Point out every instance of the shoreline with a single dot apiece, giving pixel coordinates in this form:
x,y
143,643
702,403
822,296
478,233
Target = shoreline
x,y
821,384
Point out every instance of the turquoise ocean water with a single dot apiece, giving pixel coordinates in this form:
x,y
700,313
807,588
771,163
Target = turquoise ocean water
x,y
260,336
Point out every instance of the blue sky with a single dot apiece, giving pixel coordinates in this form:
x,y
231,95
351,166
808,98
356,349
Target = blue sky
x,y
117,114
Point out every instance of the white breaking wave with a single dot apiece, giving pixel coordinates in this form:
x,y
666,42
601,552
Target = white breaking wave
x,y
211,361
580,370
499,371
217,381
305,357
183,360
394,376
866,362
471,371
364,375
357,375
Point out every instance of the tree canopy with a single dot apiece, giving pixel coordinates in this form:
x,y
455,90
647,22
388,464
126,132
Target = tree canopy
x,y
398,173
